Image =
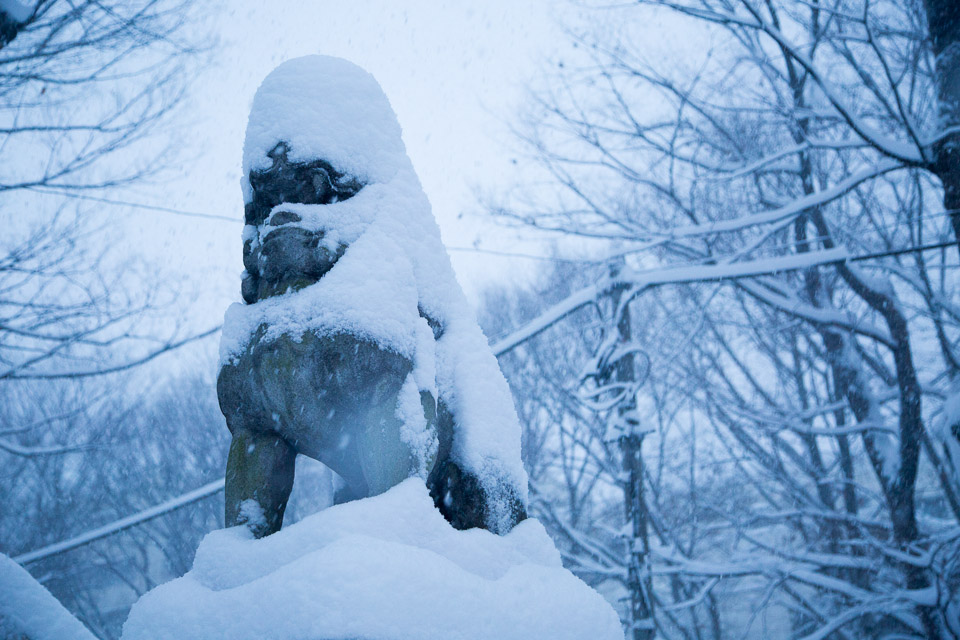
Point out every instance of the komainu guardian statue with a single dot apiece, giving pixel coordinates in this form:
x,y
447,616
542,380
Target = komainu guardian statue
x,y
354,344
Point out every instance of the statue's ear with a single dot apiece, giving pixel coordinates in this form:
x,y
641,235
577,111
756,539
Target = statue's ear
x,y
279,152
250,213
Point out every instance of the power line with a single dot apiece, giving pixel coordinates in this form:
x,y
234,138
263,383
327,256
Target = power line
x,y
897,252
222,218
137,205
508,254
528,256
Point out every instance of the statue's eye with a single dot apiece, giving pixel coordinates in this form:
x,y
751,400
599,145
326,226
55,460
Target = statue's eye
x,y
315,182
331,186
323,189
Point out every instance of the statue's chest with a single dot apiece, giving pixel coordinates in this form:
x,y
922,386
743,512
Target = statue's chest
x,y
314,390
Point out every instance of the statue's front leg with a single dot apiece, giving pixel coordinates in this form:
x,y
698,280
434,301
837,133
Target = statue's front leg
x,y
258,482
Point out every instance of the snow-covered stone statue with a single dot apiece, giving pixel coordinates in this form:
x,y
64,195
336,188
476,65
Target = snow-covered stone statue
x,y
355,345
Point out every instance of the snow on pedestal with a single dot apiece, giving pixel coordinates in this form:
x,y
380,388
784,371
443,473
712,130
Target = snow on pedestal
x,y
383,568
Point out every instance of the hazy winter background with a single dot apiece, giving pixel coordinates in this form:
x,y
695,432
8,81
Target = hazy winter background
x,y
800,478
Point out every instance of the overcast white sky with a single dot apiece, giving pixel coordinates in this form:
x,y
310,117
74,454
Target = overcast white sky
x,y
454,71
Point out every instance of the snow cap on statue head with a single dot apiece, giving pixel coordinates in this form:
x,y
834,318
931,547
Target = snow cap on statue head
x,y
325,108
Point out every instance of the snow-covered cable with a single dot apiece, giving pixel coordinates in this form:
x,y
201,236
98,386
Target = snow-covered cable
x,y
205,491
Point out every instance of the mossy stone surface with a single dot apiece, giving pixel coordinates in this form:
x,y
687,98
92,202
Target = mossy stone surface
x,y
330,397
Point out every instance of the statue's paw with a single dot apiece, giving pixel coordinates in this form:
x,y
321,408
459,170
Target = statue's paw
x,y
465,503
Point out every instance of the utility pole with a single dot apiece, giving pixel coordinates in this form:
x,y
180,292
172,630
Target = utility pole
x,y
618,368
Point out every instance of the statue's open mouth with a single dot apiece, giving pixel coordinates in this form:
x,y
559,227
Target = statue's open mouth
x,y
291,258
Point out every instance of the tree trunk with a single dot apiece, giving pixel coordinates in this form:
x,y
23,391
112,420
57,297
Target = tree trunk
x,y
943,18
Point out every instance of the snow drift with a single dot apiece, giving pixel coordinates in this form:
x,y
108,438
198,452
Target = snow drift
x,y
382,568
28,610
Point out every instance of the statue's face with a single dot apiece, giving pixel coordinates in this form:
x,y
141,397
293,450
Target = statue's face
x,y
290,257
